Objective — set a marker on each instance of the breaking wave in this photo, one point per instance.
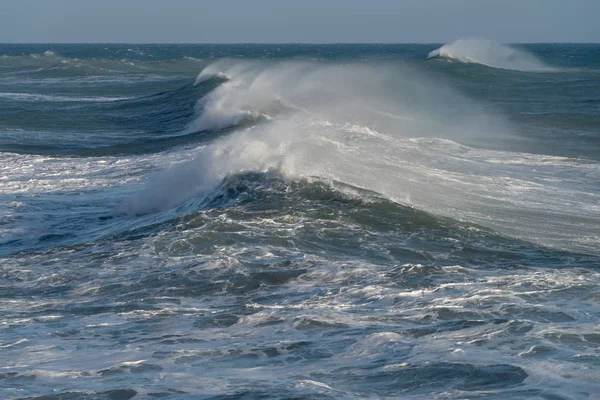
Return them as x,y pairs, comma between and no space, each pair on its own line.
390,130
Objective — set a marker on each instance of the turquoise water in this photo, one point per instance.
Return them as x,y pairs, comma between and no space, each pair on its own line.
300,221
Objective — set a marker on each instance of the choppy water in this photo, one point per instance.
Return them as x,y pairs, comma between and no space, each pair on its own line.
300,221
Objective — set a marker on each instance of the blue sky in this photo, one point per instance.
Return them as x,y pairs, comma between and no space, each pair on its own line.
306,21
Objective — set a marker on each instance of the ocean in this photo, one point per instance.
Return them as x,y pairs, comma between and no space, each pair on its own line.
340,221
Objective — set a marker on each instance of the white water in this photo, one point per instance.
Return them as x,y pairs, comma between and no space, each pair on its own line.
393,131
491,54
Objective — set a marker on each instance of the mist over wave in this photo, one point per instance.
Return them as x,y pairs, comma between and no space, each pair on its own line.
491,54
392,130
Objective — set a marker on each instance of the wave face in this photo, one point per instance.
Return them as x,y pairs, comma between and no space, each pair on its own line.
491,54
297,221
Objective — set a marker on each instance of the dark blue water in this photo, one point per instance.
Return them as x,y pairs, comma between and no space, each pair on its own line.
300,221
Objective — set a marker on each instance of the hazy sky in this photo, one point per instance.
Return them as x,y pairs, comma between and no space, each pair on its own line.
307,21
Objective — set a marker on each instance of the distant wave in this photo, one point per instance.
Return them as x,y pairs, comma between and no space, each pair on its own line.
50,64
41,97
491,54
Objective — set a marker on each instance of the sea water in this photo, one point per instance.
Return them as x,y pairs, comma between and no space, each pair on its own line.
300,221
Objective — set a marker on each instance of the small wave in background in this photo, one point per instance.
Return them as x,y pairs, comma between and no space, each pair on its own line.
491,54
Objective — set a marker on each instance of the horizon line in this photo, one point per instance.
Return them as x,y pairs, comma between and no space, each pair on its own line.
269,43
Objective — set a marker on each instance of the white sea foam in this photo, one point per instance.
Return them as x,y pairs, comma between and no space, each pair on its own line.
315,303
491,54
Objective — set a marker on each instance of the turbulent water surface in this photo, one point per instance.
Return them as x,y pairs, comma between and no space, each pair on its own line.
300,221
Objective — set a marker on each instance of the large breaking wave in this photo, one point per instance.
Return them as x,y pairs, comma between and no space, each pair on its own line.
388,129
